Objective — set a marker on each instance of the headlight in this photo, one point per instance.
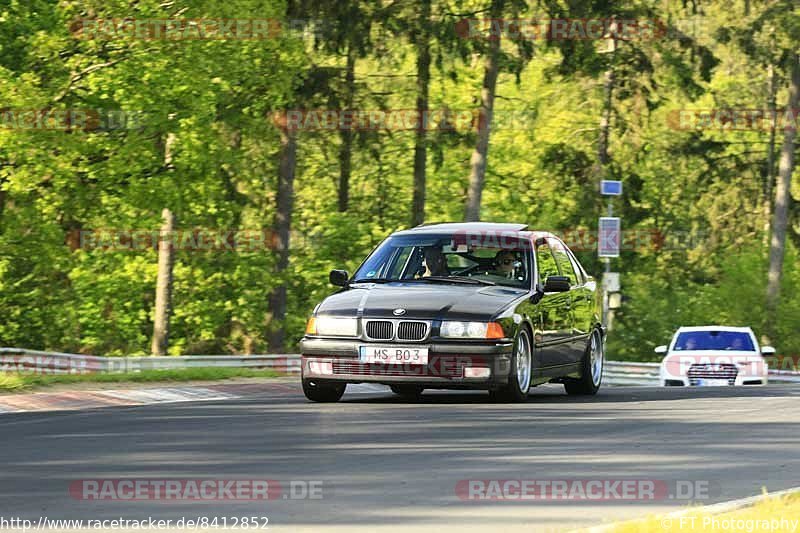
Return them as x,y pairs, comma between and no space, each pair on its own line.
333,326
471,330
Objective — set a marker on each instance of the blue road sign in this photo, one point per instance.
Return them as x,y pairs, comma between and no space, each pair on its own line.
610,187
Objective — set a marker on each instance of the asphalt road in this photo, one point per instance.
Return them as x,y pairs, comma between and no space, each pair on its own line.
386,464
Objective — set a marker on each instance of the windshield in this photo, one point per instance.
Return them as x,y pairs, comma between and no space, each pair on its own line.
714,340
448,258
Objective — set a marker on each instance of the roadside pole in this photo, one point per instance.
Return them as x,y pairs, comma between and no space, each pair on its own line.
608,245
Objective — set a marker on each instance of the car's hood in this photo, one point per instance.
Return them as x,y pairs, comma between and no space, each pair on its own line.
421,300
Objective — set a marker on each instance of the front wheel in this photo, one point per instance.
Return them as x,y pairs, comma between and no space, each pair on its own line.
519,381
323,392
591,370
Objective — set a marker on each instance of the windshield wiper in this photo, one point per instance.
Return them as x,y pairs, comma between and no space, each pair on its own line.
374,280
459,279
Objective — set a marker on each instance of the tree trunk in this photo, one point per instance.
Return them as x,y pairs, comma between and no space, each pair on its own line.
420,142
477,173
163,309
2,203
282,225
769,181
605,122
781,211
346,135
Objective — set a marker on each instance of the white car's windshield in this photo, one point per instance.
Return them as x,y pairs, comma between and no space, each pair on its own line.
448,258
714,340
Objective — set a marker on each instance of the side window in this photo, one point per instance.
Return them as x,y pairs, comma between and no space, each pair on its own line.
399,261
579,274
564,262
546,262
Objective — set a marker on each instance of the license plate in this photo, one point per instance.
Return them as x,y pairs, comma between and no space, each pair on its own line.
393,355
713,382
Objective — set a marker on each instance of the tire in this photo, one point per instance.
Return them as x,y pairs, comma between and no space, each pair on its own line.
408,392
519,380
323,392
591,368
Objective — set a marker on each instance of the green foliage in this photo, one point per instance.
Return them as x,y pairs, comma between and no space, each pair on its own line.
703,190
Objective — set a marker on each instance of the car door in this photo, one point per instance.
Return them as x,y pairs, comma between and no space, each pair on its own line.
581,307
566,269
553,311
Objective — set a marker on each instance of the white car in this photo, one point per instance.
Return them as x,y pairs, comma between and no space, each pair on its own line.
713,356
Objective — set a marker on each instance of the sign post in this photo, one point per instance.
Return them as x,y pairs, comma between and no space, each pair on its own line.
609,238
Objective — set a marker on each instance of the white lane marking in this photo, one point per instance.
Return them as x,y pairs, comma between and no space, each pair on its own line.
171,395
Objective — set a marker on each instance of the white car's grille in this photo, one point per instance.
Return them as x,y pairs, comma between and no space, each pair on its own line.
712,371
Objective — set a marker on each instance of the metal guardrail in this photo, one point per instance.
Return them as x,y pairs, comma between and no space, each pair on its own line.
21,360
630,373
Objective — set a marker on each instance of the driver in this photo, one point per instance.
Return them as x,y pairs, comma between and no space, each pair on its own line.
505,263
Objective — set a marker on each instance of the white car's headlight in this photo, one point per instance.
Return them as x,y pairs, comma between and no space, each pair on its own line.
471,330
333,326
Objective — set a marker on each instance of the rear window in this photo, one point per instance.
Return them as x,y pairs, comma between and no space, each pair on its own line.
714,340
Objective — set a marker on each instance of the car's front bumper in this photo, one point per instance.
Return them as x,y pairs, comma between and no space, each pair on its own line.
338,360
684,381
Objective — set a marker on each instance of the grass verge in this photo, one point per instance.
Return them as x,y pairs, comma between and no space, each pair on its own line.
779,514
17,382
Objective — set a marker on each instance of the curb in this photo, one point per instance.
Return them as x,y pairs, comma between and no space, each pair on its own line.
80,400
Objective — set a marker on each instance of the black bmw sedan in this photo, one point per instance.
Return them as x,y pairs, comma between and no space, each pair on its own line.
458,306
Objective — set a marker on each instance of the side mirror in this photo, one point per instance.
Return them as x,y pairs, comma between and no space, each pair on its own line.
556,284
767,350
661,349
338,277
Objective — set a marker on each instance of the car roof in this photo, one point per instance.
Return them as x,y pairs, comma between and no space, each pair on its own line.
456,227
715,328
465,226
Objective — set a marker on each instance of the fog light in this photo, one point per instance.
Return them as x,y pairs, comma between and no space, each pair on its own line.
476,372
324,368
